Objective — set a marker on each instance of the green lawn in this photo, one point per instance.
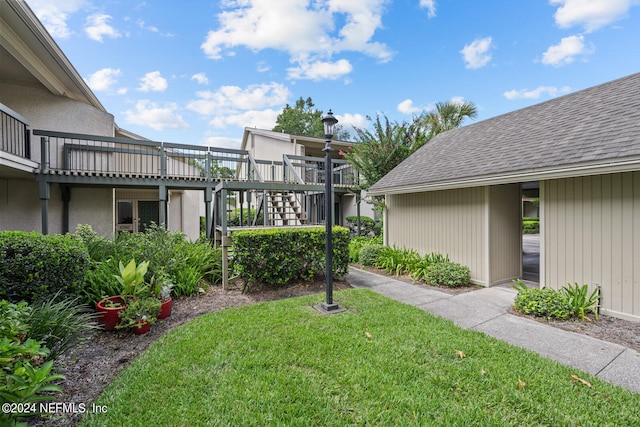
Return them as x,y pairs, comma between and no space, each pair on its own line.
380,363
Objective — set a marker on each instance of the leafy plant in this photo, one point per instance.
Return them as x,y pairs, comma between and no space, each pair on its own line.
131,279
448,274
358,242
397,261
141,309
35,267
580,300
544,302
58,322
420,269
368,255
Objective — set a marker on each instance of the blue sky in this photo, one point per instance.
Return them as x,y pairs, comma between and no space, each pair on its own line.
199,71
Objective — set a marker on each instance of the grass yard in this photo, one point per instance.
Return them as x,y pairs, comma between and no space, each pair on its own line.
380,363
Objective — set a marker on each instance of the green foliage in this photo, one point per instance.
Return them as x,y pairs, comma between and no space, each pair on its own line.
447,116
24,376
131,279
570,301
97,246
34,266
421,269
448,274
187,264
234,216
279,256
358,242
530,225
58,322
580,301
368,226
368,255
397,261
140,309
544,302
303,119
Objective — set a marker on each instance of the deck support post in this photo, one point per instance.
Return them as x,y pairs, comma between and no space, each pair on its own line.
44,188
66,198
162,190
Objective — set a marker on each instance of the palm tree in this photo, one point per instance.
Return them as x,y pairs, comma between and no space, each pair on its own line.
448,115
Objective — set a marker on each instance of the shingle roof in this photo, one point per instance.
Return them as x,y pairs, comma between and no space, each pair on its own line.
599,126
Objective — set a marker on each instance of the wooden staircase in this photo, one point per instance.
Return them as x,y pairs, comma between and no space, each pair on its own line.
285,209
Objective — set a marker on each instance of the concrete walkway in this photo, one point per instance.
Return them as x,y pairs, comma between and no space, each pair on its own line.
486,310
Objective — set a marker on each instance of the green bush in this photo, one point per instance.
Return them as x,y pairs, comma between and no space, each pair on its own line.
188,265
279,256
233,220
37,267
397,261
57,323
580,301
368,226
358,242
530,225
368,255
449,274
544,302
421,269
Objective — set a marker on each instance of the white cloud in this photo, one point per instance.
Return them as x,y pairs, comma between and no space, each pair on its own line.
103,79
233,98
430,5
97,27
262,67
348,120
320,70
551,91
147,113
565,52
591,14
54,15
476,54
261,119
201,78
153,82
407,107
305,29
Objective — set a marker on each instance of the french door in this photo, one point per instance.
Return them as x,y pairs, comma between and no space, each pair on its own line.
136,215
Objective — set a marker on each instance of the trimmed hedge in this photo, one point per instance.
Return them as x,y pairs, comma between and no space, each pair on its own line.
36,267
368,226
278,256
449,274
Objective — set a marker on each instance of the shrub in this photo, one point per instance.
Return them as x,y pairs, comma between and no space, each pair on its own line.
448,274
397,261
423,266
34,266
57,323
368,255
234,216
544,302
358,242
98,247
580,301
279,256
368,226
530,225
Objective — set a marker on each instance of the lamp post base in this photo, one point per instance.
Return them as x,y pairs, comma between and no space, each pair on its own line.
325,308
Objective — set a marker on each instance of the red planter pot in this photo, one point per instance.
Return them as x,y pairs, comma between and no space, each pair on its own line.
109,315
165,309
141,327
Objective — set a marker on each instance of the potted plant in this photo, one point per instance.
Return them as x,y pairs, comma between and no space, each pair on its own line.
162,287
140,314
109,307
131,279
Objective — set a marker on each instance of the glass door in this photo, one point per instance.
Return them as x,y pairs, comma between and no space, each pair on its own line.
148,212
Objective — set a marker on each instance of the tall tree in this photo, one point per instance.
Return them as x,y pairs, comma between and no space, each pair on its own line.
377,152
303,119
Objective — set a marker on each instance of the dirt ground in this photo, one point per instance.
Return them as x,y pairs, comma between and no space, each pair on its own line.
100,356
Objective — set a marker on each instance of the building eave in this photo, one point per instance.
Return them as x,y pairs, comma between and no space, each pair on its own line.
571,171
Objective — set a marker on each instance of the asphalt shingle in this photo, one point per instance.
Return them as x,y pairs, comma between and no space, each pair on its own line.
599,124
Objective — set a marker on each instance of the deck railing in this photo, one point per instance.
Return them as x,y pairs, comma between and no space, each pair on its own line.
14,133
66,153
311,170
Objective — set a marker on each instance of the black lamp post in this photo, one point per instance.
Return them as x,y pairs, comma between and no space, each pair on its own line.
329,122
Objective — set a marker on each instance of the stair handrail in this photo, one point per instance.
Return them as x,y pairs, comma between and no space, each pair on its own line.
254,165
289,166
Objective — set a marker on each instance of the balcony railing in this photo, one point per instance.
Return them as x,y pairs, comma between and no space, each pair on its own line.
311,170
14,133
66,153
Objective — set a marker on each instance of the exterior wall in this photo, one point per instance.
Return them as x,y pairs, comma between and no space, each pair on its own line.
93,206
451,222
20,206
505,235
591,234
183,212
47,111
478,227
